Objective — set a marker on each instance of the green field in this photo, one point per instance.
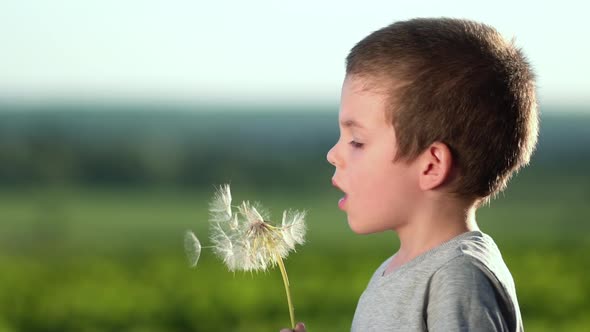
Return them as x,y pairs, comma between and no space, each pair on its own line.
112,260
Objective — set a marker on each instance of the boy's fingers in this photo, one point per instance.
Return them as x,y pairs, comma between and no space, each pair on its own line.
300,327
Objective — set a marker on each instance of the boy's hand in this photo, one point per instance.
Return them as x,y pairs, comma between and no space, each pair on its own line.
300,327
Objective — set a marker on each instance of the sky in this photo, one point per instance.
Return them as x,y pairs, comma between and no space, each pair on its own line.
252,51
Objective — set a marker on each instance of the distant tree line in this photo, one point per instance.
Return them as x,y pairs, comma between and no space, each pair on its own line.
174,148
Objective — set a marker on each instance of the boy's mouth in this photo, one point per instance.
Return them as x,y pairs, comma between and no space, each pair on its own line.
342,201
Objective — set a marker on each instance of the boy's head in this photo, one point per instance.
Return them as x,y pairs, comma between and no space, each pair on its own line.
454,98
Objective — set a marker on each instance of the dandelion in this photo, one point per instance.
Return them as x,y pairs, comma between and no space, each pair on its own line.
246,240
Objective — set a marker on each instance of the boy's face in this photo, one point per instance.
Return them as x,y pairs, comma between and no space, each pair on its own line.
379,194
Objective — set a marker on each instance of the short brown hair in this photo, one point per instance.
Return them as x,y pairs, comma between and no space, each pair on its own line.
457,82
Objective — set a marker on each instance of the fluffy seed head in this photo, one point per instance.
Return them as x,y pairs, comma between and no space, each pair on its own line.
247,240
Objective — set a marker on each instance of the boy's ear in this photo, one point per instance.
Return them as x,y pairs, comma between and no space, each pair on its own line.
435,166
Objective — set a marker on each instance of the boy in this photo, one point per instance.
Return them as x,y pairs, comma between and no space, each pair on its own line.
435,117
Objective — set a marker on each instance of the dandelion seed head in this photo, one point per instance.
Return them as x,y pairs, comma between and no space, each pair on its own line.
246,240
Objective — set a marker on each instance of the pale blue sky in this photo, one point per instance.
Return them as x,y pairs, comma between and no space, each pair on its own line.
251,51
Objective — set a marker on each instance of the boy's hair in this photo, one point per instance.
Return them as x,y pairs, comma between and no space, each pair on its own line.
457,82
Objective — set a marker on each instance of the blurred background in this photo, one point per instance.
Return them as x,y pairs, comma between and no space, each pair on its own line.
118,118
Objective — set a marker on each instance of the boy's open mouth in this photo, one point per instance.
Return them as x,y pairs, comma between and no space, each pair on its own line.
342,201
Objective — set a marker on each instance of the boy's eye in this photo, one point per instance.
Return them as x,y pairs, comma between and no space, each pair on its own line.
356,145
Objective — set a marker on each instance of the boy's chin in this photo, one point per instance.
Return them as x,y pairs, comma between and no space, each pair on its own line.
360,227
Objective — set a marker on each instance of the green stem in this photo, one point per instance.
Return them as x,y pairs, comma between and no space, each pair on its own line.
287,289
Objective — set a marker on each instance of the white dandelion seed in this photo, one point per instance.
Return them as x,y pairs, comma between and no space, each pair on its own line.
293,228
220,206
192,248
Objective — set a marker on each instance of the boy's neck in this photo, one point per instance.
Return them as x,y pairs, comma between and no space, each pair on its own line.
432,226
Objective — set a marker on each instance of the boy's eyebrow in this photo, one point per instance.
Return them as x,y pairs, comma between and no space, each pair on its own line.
351,124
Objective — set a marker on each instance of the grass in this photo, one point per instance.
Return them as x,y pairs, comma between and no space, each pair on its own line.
75,259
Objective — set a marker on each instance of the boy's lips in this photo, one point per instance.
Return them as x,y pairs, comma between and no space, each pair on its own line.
342,201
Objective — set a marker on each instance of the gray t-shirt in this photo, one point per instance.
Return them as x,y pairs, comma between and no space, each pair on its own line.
461,285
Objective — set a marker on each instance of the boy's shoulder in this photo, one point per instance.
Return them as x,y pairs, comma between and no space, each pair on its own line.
470,263
470,258
471,249
464,277
476,277
462,282
463,293
469,254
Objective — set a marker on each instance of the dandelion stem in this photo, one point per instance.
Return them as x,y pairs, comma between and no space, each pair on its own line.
287,289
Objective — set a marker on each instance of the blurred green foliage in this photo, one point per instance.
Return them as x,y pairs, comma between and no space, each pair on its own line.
101,249
116,261
177,146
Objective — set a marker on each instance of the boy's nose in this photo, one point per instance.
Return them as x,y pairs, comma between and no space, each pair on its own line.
330,156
